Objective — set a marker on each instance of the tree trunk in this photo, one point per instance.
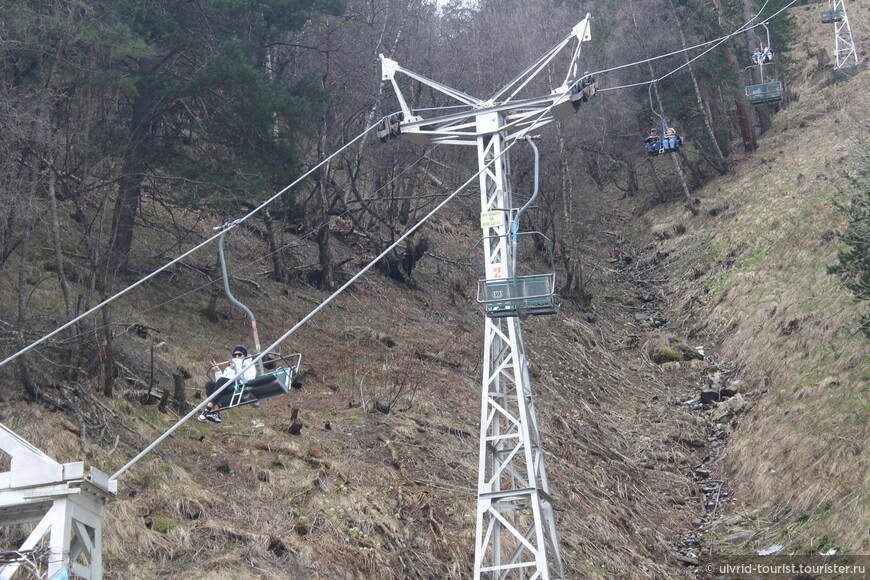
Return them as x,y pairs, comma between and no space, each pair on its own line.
700,102
324,255
631,186
8,242
132,175
21,322
574,285
749,143
656,181
279,273
108,354
723,138
692,168
126,209
211,310
70,354
179,401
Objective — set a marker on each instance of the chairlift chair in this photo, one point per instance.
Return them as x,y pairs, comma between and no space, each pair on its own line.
764,93
277,382
521,295
658,145
831,16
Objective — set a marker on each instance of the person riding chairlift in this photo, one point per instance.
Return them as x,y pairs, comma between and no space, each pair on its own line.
222,377
762,56
653,142
672,141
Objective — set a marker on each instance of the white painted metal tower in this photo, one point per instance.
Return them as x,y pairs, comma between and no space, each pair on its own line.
844,44
65,503
515,527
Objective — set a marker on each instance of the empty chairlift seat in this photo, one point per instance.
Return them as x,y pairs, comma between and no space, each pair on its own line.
389,127
831,16
764,93
277,382
520,296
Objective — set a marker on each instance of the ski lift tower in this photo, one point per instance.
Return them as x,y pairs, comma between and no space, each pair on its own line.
515,528
844,45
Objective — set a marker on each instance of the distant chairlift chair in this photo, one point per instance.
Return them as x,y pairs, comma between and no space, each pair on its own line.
831,16
764,93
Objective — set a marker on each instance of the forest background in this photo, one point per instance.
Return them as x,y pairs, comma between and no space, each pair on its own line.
131,129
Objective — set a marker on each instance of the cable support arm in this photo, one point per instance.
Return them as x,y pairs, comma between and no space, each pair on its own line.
389,68
580,31
461,128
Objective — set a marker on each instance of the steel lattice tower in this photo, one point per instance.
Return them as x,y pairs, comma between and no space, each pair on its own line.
515,526
844,44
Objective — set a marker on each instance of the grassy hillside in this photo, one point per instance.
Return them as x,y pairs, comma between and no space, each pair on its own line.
748,278
368,494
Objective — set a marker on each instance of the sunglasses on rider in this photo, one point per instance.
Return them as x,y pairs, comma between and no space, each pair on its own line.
237,354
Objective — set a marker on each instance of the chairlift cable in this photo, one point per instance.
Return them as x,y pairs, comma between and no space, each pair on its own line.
715,44
185,254
330,298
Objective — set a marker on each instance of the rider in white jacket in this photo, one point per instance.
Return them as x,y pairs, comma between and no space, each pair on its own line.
222,377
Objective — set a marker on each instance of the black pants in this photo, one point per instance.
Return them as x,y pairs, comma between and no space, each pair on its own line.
218,385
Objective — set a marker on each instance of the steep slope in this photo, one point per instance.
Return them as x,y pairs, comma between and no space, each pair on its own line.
381,480
748,279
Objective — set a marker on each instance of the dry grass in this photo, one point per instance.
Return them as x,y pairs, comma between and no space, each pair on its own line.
768,307
365,495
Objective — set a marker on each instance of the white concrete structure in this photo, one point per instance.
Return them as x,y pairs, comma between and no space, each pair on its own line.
64,501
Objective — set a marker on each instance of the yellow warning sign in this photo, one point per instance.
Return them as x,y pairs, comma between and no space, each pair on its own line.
491,219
